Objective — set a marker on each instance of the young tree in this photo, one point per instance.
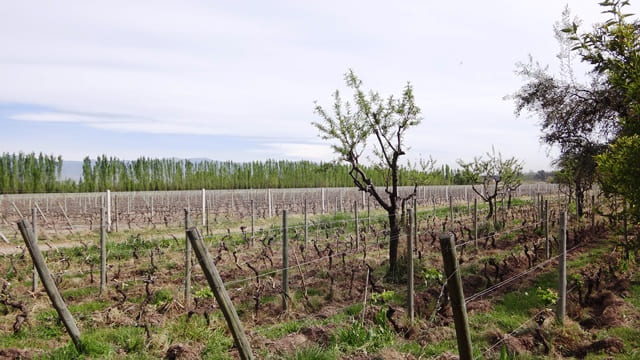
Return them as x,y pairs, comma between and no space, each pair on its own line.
494,177
372,123
591,122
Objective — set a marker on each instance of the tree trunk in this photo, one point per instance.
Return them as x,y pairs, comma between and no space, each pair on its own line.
579,200
394,239
491,199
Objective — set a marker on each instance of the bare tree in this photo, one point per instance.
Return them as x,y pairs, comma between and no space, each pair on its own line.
377,126
492,177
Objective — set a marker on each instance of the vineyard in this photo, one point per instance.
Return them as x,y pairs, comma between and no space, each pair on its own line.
307,273
76,212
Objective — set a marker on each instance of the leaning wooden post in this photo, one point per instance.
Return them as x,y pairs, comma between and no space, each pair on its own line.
103,251
34,229
306,223
355,211
49,285
220,293
562,269
475,222
410,240
454,284
285,261
4,238
187,261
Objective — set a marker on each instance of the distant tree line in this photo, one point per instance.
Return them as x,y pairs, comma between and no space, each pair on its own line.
31,173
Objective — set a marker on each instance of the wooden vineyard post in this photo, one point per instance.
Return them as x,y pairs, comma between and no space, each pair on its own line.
187,261
415,221
355,211
368,211
410,240
475,222
204,207
562,269
4,238
322,191
103,251
17,210
34,230
108,210
306,223
547,243
625,230
41,214
49,285
64,213
533,202
541,208
593,211
220,293
207,222
285,261
115,206
451,211
454,284
253,219
269,200
433,201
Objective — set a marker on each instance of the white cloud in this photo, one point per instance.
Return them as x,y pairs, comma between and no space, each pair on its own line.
313,152
254,69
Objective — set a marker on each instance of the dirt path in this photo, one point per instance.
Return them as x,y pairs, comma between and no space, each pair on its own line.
15,248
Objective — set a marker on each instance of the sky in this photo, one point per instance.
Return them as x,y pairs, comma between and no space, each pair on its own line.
237,80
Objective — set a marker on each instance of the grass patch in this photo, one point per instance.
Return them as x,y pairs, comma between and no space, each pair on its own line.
354,309
87,308
313,353
282,329
196,330
634,294
161,296
511,311
372,338
79,293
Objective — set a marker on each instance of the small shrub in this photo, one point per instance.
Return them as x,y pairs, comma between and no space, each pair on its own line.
548,296
205,292
383,297
431,275
161,296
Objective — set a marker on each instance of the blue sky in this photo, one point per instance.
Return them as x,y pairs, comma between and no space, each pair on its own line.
237,80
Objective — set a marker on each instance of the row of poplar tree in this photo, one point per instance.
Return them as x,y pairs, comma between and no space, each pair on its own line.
37,173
